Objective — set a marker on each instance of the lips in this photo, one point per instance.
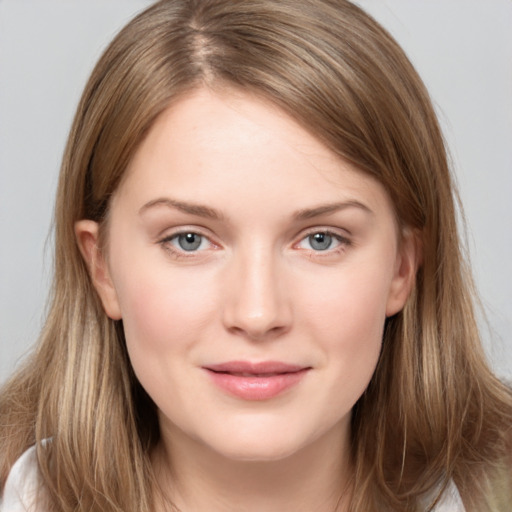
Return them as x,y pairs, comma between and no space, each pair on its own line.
255,381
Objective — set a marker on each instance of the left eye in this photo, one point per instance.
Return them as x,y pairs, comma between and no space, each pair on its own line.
320,241
189,242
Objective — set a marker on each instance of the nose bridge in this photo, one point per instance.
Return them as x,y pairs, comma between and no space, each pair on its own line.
257,305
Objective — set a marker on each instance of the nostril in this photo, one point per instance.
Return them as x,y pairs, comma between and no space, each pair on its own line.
258,334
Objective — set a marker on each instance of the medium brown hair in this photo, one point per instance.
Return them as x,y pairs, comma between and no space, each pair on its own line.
433,411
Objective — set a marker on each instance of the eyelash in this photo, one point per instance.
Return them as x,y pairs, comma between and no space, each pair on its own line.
167,243
343,243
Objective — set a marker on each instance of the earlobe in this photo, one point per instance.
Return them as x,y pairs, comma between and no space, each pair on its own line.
87,236
407,263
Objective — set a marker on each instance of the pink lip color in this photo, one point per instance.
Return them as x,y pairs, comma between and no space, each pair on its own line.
255,381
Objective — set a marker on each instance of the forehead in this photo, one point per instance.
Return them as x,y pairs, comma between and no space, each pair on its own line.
211,145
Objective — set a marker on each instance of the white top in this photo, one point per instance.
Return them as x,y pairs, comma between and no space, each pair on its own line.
21,486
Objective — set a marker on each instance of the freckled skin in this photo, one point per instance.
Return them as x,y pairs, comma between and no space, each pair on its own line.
256,289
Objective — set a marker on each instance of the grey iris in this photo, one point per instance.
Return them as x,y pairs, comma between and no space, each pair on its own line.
189,241
320,241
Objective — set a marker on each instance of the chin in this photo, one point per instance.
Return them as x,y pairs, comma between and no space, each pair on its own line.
259,445
258,452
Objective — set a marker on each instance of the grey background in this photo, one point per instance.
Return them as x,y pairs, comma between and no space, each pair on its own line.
462,49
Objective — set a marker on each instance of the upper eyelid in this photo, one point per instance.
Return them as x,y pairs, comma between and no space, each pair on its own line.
169,233
336,232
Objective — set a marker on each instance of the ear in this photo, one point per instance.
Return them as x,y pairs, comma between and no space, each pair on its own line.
87,236
407,262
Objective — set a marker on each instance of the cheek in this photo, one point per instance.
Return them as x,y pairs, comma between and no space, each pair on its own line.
347,316
163,312
350,304
164,319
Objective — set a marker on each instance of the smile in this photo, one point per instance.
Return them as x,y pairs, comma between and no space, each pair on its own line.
255,381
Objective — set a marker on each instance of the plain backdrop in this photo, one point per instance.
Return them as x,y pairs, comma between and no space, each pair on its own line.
462,49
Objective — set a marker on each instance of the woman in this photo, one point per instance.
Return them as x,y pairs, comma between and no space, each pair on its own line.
259,298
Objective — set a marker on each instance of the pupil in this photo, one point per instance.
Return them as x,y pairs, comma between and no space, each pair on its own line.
189,241
320,241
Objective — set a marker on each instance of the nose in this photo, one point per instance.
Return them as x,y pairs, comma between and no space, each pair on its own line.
256,304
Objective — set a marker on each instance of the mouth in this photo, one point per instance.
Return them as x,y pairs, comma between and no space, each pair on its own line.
255,381
245,374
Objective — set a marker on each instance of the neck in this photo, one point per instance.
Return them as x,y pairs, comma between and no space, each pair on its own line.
198,479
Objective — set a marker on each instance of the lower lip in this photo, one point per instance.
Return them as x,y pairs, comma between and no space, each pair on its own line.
256,388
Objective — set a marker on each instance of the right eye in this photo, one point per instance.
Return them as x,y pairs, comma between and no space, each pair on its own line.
188,242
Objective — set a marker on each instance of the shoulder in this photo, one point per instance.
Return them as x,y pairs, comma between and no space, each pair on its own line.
22,484
450,500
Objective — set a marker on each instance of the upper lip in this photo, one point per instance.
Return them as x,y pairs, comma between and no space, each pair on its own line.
259,368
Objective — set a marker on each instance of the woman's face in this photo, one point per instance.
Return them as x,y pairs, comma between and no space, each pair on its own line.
253,271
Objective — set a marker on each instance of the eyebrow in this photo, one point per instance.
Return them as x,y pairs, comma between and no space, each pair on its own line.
326,209
185,207
210,213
